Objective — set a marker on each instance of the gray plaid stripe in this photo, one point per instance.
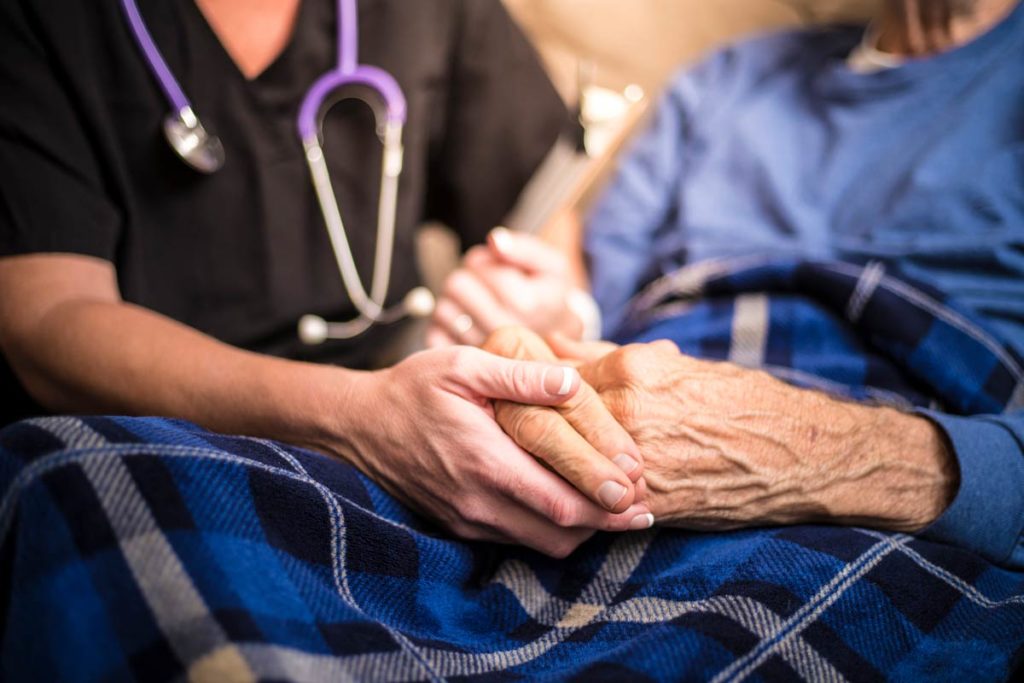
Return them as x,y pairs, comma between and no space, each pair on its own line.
177,607
955,582
1017,400
179,610
783,635
750,325
71,431
867,284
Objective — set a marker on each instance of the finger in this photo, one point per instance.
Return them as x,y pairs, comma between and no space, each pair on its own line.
506,520
505,283
458,324
490,376
546,435
588,415
519,343
586,352
557,501
584,413
526,252
476,299
437,338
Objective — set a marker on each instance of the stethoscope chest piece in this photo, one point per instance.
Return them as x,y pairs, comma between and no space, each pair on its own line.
191,142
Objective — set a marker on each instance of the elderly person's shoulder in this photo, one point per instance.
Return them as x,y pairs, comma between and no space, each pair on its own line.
758,60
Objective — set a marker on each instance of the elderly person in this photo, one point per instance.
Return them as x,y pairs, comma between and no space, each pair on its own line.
897,156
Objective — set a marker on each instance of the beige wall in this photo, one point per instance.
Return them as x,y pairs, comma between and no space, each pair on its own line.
643,41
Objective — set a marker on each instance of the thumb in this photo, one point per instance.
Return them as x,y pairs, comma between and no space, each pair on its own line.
525,252
519,381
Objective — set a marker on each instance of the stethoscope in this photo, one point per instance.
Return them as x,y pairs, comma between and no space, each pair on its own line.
205,153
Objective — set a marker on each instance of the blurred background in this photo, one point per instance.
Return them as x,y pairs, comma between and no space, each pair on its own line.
619,53
645,41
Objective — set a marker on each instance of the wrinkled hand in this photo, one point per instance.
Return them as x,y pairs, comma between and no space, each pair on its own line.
515,279
727,447
578,438
425,431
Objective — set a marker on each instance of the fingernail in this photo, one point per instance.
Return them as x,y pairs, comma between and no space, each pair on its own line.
642,522
610,493
501,238
625,463
559,383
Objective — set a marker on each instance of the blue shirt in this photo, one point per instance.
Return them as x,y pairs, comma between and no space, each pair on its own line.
776,147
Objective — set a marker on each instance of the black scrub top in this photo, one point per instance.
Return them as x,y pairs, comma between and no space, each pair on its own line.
242,254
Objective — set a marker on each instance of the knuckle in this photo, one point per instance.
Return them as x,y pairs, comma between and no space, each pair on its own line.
529,425
664,346
504,341
455,284
561,512
521,379
474,513
561,548
477,256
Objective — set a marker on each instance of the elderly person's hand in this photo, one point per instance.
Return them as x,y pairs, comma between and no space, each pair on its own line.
577,438
726,447
515,280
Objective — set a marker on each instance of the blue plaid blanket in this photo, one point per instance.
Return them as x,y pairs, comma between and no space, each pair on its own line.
153,550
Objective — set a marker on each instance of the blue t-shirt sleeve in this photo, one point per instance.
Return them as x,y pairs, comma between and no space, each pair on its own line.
621,229
987,515
638,204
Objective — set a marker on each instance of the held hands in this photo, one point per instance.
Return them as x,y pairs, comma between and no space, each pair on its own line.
515,280
432,442
725,447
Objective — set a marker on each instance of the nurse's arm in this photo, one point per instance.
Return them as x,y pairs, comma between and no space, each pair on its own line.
423,429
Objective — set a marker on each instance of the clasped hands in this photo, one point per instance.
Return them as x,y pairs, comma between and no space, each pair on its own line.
724,447
498,444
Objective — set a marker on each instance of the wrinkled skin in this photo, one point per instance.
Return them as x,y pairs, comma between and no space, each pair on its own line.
726,447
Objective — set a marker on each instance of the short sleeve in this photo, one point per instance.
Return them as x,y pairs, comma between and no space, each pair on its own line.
503,117
51,195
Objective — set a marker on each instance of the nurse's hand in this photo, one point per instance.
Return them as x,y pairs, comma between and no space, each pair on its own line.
425,431
515,280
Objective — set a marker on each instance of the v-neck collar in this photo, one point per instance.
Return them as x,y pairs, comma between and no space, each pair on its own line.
294,42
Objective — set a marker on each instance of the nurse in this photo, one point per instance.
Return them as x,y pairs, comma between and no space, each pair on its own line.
131,283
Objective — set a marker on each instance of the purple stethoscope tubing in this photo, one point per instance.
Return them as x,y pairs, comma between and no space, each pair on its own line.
350,72
168,83
205,153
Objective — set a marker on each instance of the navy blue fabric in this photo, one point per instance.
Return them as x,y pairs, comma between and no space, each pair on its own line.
775,147
149,549
870,334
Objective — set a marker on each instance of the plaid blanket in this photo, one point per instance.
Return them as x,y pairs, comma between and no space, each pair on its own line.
153,550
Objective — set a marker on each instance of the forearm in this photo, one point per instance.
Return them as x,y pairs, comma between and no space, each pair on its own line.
728,447
107,357
894,469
